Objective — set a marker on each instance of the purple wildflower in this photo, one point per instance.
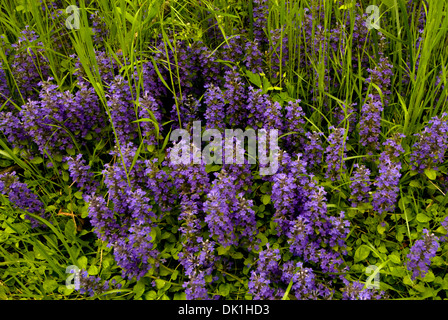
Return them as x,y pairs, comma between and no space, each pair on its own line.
421,253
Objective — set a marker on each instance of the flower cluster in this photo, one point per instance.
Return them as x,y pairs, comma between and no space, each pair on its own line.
149,110
4,90
29,65
53,120
215,113
267,271
126,226
313,150
301,215
421,253
430,148
93,286
81,175
198,261
356,291
294,124
22,198
121,106
229,215
99,28
335,152
386,194
235,96
381,76
370,123
360,185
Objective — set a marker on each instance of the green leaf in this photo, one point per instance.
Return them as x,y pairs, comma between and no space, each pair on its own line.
238,255
93,270
82,262
71,151
380,229
407,280
139,289
429,277
362,253
174,275
180,296
265,187
151,295
212,168
263,239
421,217
389,3
431,174
70,230
78,195
37,160
160,283
415,184
266,199
49,285
254,78
223,250
394,258
224,289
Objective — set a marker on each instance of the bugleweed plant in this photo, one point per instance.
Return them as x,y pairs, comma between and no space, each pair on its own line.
89,98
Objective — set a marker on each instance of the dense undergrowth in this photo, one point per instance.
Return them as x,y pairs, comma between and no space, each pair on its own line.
90,97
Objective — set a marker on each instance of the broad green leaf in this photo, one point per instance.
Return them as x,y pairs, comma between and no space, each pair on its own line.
415,184
49,285
174,275
139,289
380,229
266,199
237,255
362,253
37,160
421,217
93,270
389,3
70,230
82,262
180,296
78,195
224,289
254,78
394,258
151,295
223,250
160,283
431,174
429,277
212,168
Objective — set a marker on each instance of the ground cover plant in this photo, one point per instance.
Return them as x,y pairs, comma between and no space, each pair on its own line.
92,207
